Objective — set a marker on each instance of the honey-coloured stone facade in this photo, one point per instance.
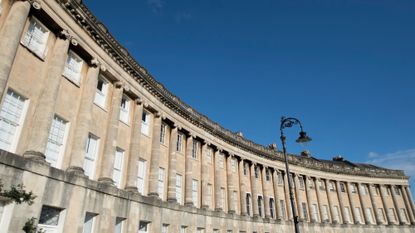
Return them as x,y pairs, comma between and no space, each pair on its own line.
106,148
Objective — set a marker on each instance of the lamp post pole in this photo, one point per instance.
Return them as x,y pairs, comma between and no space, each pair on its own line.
287,123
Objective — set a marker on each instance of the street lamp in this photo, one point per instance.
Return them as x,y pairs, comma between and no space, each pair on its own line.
303,138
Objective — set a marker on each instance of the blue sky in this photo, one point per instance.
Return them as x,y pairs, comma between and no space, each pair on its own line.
345,68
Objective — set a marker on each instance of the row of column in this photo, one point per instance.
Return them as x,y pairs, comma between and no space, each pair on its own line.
9,40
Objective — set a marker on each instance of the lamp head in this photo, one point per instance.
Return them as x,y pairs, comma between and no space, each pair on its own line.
303,138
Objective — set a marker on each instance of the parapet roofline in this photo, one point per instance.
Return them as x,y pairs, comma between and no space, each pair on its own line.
101,35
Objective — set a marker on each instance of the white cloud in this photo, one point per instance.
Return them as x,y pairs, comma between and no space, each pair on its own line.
182,16
156,5
402,160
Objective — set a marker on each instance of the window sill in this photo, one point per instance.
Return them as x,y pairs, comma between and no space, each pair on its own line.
145,135
101,107
42,58
125,123
72,81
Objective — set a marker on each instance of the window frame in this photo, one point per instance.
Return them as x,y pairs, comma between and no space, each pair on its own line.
75,80
91,174
118,151
64,138
44,50
145,123
20,121
102,93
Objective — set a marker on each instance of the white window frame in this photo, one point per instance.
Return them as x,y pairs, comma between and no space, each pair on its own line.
118,167
336,211
179,187
101,95
260,201
53,228
272,207
209,155
88,156
18,124
325,215
245,169
125,106
179,142
31,44
348,217
144,224
280,179
93,222
164,228
221,160
6,214
57,139
141,175
145,123
314,213
119,225
301,182
163,129
195,149
183,229
222,198
233,164
353,188
304,209
195,192
248,203
74,76
160,187
209,195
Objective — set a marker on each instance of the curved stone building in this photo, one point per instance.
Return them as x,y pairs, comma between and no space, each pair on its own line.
106,148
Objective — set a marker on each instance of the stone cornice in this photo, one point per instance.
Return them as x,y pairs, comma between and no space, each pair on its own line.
99,33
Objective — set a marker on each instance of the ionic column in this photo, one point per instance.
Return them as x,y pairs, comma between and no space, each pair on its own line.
395,203
362,204
298,197
342,209
171,189
382,195
408,205
287,196
352,206
329,200
278,213
45,108
205,175
112,133
10,38
132,172
374,205
243,187
155,156
317,189
307,193
217,179
84,119
254,188
230,184
265,192
411,200
188,167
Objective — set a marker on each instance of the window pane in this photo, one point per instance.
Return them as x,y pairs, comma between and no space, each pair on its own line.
49,216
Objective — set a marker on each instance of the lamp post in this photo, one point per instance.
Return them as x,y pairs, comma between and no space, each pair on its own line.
303,138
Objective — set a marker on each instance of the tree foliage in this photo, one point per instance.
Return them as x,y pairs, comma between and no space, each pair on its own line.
19,195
